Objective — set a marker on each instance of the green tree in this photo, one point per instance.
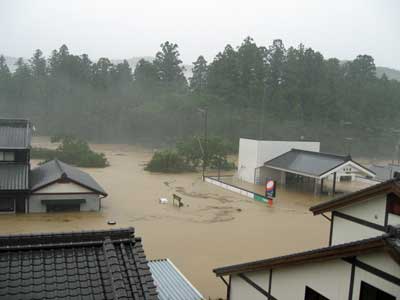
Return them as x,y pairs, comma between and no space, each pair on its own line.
168,64
198,81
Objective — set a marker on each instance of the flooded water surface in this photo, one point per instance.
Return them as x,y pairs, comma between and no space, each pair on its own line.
215,227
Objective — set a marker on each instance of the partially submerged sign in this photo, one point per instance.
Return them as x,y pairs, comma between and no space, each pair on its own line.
270,189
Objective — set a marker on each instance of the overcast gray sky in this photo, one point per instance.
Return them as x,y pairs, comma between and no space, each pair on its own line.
126,28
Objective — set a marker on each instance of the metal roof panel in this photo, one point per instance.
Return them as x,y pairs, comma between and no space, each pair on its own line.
171,283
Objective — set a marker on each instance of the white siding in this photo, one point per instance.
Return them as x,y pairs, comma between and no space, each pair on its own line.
345,231
240,289
393,219
247,163
68,187
91,204
372,210
381,261
253,154
331,279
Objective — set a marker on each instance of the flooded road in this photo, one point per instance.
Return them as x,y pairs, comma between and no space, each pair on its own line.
214,228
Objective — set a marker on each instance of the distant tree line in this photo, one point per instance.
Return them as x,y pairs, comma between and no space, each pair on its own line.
250,91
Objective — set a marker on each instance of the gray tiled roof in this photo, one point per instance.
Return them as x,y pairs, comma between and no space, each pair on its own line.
15,134
307,162
55,170
14,177
171,283
107,264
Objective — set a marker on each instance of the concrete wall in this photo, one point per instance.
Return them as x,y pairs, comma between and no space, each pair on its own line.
254,153
91,204
330,278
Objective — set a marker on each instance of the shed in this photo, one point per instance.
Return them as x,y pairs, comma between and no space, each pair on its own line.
56,186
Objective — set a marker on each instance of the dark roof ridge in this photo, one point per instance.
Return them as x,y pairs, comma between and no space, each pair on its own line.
319,254
344,157
67,237
111,259
359,195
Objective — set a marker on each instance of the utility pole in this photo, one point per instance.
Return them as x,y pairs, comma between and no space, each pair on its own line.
204,111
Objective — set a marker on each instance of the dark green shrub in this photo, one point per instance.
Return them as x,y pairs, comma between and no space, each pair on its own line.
72,151
167,161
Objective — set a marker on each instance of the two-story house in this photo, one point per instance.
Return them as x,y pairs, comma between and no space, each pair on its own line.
15,141
52,186
361,262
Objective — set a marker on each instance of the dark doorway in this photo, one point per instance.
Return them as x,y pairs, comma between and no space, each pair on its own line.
7,205
369,292
20,204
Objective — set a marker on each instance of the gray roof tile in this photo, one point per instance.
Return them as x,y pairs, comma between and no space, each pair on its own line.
307,162
55,170
87,265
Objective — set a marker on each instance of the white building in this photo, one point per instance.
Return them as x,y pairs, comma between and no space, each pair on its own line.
295,162
254,153
362,260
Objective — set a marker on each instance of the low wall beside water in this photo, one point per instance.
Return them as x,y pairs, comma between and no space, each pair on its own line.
235,189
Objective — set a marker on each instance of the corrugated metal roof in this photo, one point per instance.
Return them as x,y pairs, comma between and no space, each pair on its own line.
15,134
54,170
307,162
384,172
14,177
171,283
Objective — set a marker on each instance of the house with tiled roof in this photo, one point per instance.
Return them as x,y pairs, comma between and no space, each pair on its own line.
105,264
53,186
361,261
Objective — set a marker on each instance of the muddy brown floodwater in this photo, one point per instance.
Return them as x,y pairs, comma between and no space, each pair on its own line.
214,228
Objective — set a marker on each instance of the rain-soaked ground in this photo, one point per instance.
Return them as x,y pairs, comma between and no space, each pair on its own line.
214,228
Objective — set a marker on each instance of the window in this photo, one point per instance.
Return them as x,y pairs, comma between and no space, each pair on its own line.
368,292
7,156
393,204
313,295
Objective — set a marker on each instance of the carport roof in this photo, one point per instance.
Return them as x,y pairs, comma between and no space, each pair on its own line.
56,170
312,164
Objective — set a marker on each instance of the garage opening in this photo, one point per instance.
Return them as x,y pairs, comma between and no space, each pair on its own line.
69,205
7,205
